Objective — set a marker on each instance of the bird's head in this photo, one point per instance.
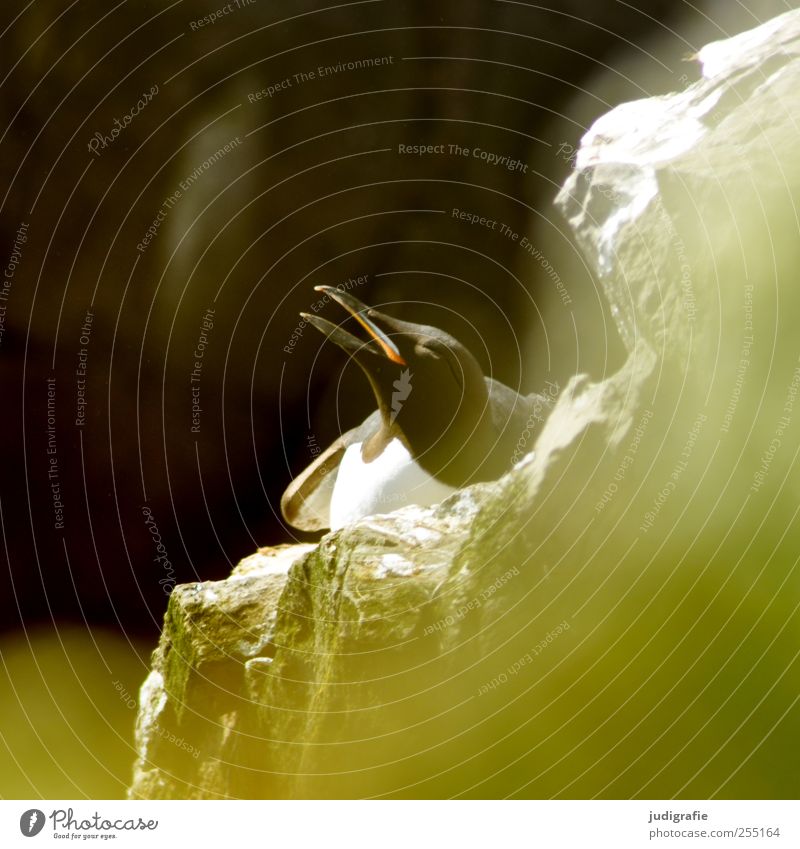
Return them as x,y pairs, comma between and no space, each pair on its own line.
414,369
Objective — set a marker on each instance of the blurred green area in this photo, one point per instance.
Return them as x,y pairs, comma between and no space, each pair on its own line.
68,701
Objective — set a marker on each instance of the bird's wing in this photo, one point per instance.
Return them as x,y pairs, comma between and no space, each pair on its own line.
306,503
517,420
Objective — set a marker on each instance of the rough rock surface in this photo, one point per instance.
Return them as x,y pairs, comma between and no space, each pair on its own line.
615,617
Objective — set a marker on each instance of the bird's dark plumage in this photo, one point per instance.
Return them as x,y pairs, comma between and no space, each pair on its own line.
435,408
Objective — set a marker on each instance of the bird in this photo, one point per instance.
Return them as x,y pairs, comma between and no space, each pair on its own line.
440,424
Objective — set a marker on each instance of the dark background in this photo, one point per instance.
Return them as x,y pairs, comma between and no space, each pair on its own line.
315,193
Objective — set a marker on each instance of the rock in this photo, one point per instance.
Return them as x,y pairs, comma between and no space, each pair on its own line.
617,615
215,635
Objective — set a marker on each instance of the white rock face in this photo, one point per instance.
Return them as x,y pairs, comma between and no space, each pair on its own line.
777,39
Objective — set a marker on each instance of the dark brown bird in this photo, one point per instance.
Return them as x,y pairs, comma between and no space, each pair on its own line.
440,424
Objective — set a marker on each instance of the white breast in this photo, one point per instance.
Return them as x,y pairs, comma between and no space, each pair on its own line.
392,480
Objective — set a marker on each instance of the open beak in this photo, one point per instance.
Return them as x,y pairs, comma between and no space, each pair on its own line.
338,336
359,312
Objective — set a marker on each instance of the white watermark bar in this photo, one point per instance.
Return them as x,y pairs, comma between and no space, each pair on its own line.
353,824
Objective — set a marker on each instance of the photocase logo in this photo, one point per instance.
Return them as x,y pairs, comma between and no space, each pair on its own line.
402,390
31,822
